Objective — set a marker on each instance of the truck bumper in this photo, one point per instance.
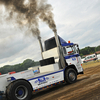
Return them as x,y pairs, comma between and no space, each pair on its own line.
81,72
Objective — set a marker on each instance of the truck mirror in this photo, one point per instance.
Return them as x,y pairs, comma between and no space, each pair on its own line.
78,49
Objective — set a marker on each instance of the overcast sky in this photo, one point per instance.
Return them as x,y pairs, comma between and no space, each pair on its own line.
76,20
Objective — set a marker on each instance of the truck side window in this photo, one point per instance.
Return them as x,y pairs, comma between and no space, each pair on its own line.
88,57
94,56
91,57
71,50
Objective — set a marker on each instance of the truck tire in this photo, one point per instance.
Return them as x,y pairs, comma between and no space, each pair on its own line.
19,90
70,76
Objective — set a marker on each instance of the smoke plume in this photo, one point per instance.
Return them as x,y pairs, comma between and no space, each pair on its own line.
30,13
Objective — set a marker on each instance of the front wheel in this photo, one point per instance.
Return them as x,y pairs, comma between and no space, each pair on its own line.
70,76
19,90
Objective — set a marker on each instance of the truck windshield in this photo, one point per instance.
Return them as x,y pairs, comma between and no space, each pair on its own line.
70,50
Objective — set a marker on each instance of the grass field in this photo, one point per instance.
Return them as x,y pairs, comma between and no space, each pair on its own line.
91,64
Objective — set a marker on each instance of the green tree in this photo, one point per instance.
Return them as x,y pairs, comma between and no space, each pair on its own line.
19,67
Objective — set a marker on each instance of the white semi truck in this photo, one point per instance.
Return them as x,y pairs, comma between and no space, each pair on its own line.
59,64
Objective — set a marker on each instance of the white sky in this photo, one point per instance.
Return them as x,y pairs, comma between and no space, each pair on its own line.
76,20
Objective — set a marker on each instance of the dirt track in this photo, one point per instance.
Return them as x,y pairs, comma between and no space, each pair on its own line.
87,87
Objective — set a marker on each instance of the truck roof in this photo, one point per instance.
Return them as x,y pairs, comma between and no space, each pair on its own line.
67,44
63,42
51,43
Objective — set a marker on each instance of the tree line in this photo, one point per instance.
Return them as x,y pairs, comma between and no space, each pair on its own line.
19,67
89,50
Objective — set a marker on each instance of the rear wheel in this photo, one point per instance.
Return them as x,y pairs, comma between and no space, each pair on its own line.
70,75
19,90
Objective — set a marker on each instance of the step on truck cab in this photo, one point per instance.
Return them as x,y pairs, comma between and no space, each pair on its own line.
19,86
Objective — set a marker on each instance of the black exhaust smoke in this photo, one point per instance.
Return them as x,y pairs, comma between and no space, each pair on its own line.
30,12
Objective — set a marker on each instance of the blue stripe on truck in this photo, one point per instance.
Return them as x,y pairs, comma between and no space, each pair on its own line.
45,75
71,56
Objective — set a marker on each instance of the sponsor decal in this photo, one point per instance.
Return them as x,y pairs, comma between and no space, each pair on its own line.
73,59
33,88
77,60
41,80
57,81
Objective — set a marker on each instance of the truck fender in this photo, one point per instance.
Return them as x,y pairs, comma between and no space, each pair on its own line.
21,88
70,66
23,80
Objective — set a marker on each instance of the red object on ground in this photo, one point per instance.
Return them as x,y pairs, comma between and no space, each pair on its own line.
12,72
0,73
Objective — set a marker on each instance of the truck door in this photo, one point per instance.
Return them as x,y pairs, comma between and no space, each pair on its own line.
71,55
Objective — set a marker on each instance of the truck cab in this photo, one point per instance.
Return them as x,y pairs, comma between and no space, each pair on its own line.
70,53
